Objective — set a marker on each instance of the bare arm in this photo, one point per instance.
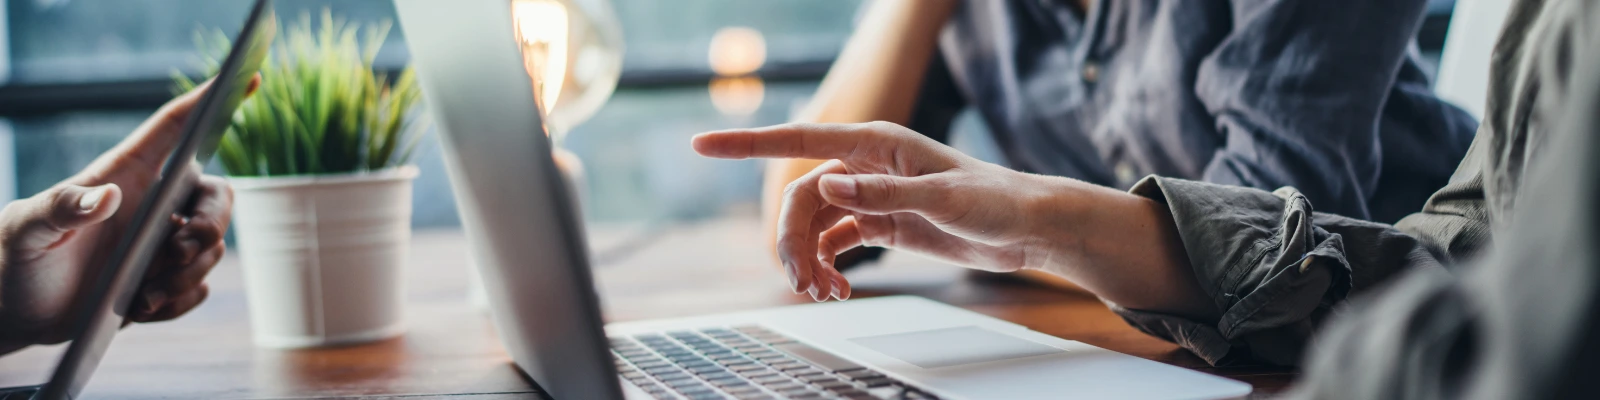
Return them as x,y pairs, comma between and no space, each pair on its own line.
896,188
876,78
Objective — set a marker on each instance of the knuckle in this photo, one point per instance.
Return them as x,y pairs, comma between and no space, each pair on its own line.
829,242
792,189
206,227
12,209
786,247
49,205
886,189
882,127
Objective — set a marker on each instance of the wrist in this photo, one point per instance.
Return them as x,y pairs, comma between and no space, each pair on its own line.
1055,222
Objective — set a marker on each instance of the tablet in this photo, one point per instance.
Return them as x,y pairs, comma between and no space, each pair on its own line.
107,300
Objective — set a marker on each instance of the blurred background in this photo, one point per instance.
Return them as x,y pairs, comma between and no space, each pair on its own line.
77,75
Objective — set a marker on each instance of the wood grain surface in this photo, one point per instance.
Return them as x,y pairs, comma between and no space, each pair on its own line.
451,350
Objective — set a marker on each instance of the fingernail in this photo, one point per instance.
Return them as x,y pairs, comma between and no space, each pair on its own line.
153,300
794,280
839,186
91,200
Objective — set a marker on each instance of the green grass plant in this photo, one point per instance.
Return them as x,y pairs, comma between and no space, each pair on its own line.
321,107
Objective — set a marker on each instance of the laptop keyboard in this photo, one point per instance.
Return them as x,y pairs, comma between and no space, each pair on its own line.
746,363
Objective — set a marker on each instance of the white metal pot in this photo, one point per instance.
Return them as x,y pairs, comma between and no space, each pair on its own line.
324,256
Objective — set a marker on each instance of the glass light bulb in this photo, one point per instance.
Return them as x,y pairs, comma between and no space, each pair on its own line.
573,52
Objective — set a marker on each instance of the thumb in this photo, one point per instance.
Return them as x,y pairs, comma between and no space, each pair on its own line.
65,208
887,194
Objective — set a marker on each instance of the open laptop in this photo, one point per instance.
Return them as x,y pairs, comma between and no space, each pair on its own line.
107,301
529,245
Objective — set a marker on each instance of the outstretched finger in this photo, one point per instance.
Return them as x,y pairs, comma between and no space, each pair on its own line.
807,140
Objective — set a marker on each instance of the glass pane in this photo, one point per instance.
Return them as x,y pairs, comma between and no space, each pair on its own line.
59,41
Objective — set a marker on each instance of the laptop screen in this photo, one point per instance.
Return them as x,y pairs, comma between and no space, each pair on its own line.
107,301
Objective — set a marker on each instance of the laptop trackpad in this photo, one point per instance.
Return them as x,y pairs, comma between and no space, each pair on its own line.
953,346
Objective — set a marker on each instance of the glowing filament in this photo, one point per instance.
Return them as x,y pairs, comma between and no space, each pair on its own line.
542,32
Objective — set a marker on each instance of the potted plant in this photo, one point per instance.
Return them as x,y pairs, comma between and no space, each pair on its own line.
319,162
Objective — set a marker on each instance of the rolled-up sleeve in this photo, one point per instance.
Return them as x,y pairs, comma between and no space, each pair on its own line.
1273,266
1297,89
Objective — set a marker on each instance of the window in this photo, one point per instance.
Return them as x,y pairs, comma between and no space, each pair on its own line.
83,73
106,65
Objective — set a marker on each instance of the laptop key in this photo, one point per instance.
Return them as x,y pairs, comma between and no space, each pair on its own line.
818,379
786,386
772,380
801,395
681,383
876,382
660,370
834,385
846,391
758,373
725,381
695,388
718,375
860,373
793,368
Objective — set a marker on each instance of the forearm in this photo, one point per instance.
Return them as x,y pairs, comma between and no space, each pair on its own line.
1121,247
880,70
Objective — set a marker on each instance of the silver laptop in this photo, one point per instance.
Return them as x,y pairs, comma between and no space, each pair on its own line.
529,244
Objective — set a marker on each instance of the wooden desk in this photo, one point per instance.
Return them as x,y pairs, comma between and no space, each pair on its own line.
452,351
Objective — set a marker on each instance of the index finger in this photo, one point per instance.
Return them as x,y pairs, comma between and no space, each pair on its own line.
794,140
153,140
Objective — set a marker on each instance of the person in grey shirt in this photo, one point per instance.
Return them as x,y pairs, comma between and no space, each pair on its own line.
1519,321
1325,96
1238,274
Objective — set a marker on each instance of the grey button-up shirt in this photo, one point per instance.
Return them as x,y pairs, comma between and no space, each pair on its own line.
1323,95
1432,323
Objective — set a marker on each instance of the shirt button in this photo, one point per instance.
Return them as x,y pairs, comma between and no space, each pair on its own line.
1125,173
1091,71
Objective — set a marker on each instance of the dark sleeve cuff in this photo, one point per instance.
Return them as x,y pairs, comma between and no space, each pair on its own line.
1261,260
